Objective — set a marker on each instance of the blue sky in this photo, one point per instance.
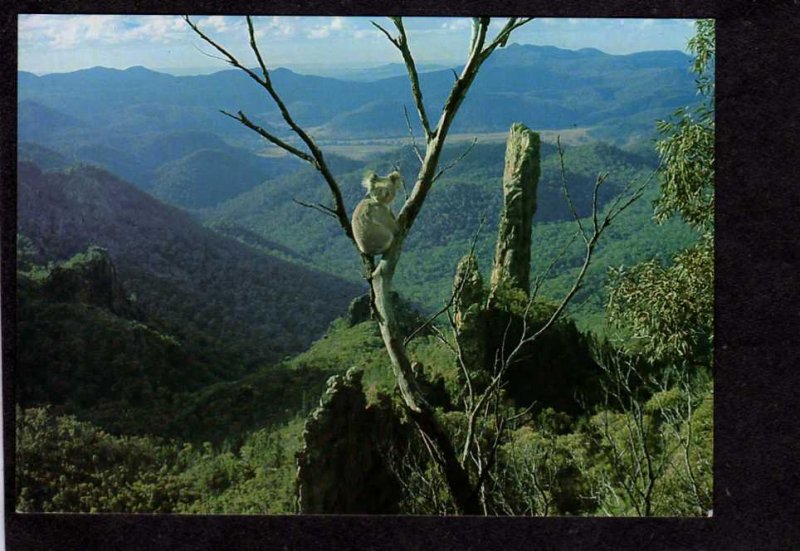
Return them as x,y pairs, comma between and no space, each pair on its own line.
62,43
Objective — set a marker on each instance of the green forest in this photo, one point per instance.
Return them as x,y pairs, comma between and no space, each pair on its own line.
188,347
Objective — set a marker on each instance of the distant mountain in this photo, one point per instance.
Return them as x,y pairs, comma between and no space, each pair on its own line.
207,177
45,157
541,86
211,291
192,169
370,74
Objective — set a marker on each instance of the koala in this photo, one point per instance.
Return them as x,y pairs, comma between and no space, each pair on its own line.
374,224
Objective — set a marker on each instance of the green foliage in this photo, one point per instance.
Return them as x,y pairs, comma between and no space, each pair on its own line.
686,145
258,479
541,469
67,465
653,458
687,153
669,310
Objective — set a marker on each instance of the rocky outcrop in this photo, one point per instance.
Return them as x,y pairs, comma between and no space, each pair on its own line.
344,464
89,278
470,318
520,180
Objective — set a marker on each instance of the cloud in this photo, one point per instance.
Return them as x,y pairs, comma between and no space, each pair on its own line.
334,25
217,23
276,26
68,31
457,24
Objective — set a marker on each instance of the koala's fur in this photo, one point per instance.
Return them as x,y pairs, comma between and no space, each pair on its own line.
374,224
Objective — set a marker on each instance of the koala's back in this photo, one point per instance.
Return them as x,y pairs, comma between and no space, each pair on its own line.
373,226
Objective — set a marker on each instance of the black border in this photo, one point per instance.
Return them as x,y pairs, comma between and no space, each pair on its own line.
757,312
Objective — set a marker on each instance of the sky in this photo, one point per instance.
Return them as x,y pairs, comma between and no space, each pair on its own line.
63,43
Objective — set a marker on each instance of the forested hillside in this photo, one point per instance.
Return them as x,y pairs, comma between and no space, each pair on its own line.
215,291
193,338
452,215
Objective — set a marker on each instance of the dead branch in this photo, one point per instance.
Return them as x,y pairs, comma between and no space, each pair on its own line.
401,43
454,162
413,140
318,207
316,158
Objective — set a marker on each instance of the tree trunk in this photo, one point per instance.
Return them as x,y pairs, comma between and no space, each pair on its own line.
436,438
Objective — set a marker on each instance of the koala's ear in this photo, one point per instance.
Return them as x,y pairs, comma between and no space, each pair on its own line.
369,179
396,179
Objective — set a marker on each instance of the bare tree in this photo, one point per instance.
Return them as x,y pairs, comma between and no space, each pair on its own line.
381,274
482,408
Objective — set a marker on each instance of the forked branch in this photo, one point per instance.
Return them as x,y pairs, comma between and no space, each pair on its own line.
314,155
401,43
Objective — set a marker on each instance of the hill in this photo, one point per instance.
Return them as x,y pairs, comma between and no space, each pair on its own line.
210,290
207,177
86,349
452,214
543,87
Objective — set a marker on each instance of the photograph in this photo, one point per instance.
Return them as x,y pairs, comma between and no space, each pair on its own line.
346,265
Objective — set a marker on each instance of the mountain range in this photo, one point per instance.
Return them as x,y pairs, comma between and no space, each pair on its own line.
542,86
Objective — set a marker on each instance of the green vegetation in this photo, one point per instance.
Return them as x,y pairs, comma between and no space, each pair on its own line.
452,215
179,368
68,465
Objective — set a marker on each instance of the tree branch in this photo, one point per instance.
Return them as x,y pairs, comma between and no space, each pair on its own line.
401,43
502,37
413,141
457,160
318,207
316,159
242,118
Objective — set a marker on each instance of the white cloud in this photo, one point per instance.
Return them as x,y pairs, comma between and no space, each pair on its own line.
319,32
457,24
275,26
336,24
217,23
68,31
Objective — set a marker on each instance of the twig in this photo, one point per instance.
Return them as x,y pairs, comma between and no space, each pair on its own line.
318,207
456,292
413,139
456,161
564,187
401,42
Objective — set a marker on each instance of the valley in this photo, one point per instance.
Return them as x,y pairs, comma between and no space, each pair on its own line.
191,328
